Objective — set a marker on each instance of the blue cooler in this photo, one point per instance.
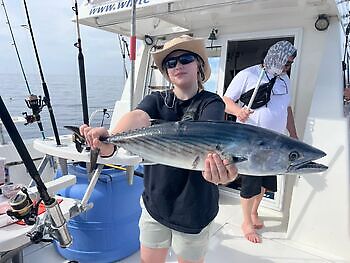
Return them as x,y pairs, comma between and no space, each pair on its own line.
109,231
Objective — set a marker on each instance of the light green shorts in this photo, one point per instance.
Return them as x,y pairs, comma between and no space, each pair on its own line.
192,247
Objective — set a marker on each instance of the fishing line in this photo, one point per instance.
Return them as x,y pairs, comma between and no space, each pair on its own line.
46,99
35,103
15,45
81,68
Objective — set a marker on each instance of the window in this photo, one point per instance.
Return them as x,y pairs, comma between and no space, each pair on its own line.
214,62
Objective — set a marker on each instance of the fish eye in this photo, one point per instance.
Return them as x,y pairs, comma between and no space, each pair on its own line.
293,156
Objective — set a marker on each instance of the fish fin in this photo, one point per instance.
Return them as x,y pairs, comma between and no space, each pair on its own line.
157,121
75,131
78,139
195,162
72,128
237,159
147,162
94,153
130,173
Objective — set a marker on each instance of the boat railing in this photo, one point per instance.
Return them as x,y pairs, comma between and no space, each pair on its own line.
106,114
16,119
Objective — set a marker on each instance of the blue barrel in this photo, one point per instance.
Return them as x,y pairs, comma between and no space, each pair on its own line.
109,231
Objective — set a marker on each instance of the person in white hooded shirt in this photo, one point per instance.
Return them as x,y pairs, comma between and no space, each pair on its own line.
275,115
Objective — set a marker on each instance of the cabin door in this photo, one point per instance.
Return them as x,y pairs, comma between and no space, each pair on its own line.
240,55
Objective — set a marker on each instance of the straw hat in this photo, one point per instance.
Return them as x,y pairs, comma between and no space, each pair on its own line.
187,43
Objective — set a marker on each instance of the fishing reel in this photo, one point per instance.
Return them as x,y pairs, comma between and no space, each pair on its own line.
54,225
22,207
36,104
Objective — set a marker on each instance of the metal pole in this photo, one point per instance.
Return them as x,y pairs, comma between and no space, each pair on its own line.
132,73
91,186
132,53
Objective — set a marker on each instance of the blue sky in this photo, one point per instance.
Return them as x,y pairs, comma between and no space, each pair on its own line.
55,35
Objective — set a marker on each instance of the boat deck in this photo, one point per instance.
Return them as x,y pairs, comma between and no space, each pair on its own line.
227,243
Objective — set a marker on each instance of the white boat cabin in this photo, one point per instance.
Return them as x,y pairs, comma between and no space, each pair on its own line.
314,210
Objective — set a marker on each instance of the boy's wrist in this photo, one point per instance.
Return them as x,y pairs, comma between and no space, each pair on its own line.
111,154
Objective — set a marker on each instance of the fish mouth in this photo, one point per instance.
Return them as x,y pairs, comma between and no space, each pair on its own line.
307,167
307,164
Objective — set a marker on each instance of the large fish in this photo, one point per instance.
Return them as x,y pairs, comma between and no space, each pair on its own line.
254,150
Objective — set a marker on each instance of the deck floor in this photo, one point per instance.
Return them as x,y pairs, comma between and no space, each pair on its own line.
227,243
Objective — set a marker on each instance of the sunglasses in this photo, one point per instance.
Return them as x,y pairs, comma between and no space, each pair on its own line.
281,91
184,59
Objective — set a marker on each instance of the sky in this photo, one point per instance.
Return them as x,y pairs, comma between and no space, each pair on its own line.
55,35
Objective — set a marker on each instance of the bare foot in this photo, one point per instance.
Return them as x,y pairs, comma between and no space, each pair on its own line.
250,234
257,224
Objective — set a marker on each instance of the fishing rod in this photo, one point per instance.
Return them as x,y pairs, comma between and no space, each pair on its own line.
81,68
123,49
93,152
35,103
21,204
46,98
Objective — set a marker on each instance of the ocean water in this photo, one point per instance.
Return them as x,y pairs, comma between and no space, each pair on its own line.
103,91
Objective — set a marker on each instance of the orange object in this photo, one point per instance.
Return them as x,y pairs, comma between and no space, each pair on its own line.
41,210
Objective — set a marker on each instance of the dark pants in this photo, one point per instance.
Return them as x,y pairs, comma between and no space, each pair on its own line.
251,185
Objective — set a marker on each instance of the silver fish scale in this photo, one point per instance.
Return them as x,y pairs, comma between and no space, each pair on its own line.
183,144
186,144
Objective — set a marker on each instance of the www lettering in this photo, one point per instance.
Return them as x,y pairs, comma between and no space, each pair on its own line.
112,7
102,9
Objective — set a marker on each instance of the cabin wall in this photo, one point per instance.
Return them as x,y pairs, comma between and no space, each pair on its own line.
320,207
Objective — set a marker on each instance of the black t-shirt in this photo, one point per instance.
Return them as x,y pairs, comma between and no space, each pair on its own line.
177,198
